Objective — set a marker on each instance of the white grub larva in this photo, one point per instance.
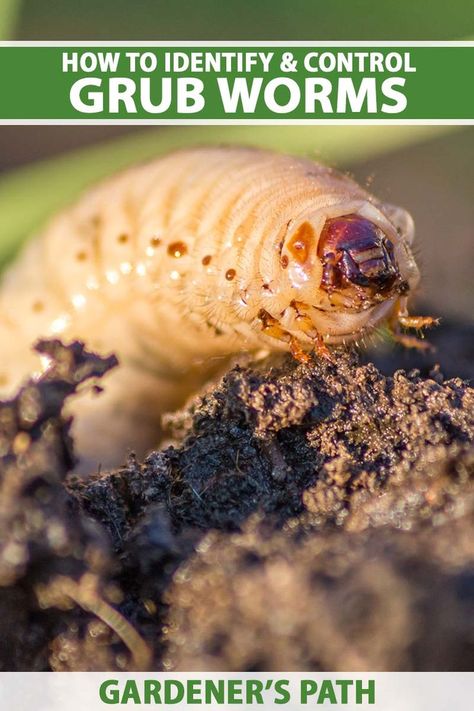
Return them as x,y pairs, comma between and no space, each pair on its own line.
201,254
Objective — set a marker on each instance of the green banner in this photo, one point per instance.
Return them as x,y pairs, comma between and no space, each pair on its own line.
231,82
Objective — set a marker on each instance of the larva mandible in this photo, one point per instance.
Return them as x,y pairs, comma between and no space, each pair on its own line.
201,254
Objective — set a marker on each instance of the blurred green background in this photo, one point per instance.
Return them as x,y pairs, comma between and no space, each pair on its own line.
244,19
429,170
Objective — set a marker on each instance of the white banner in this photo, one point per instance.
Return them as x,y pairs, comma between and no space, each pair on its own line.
388,691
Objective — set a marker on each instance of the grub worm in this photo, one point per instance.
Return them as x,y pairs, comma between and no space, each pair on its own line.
201,254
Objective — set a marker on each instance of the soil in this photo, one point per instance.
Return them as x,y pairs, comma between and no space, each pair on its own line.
305,517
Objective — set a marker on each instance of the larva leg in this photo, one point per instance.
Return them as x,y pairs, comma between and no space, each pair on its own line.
322,350
412,342
307,326
297,351
271,327
400,317
417,321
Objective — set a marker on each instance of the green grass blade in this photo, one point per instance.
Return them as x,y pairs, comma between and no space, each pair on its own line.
9,11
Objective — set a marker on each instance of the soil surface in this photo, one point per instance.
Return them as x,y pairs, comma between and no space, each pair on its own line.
305,517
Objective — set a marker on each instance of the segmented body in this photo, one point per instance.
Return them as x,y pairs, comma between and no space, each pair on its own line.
176,263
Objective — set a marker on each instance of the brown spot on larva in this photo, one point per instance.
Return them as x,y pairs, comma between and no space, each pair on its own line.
206,260
230,274
301,242
123,238
3,379
81,256
177,249
284,261
155,241
37,306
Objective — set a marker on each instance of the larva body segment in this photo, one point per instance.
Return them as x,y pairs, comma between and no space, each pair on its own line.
199,255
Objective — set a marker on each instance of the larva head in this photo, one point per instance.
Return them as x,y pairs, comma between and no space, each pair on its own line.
350,266
356,254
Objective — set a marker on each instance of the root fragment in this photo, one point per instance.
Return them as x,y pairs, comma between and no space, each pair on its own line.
85,594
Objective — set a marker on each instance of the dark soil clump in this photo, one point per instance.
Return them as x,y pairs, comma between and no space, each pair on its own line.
306,517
